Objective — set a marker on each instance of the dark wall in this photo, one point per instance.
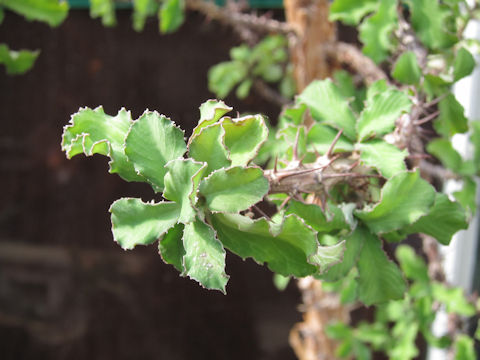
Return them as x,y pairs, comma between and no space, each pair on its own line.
66,289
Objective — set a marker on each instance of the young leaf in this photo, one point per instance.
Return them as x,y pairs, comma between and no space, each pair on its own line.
451,119
412,265
285,248
386,158
223,77
171,247
93,132
406,69
382,110
443,150
463,65
207,146
320,138
323,222
379,278
142,9
210,112
171,15
53,12
464,348
328,106
137,223
454,299
243,138
204,259
17,62
376,30
405,198
353,247
467,195
234,189
328,256
154,140
104,9
181,184
351,11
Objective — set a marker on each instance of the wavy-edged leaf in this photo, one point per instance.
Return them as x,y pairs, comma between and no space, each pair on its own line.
328,256
443,150
93,132
351,11
171,15
181,184
52,12
429,20
320,137
154,140
328,106
467,195
379,279
463,65
332,219
208,146
243,138
234,189
104,9
452,118
404,199
204,259
406,69
443,220
142,9
137,223
382,110
210,112
171,247
353,247
285,248
386,158
17,62
375,31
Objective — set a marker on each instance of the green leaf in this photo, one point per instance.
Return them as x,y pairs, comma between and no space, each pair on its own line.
171,15
104,9
294,114
154,140
475,140
181,184
328,106
285,248
464,348
142,9
377,87
280,282
386,158
443,150
223,77
244,137
376,30
137,223
412,265
204,259
53,12
207,146
93,132
351,11
404,347
17,62
379,280
429,20
210,112
244,88
451,119
2,15
406,69
171,247
405,198
234,189
435,85
328,256
381,112
323,222
463,65
353,247
454,299
467,195
320,137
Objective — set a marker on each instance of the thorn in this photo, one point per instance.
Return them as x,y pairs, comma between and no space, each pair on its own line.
435,101
284,202
317,154
427,118
295,145
357,175
275,168
354,165
334,142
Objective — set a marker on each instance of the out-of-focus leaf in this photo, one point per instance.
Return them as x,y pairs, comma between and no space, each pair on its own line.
351,11
463,65
171,15
406,69
17,62
53,12
104,9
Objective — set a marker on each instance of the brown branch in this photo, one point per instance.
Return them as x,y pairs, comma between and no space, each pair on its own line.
270,94
437,171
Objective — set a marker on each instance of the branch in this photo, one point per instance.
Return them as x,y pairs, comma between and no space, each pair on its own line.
270,94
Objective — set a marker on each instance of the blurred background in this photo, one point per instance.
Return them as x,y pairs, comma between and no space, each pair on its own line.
67,291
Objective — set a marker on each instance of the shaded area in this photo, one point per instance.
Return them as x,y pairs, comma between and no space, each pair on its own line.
67,291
